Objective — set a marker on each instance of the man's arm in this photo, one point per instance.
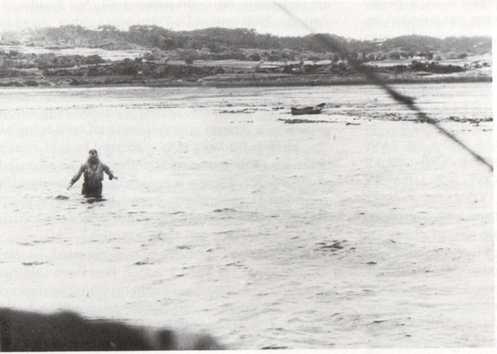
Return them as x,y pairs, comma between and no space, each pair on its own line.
76,176
109,172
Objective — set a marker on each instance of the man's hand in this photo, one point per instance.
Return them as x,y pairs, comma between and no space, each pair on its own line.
113,177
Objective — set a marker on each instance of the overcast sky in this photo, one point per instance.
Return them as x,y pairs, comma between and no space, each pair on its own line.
359,19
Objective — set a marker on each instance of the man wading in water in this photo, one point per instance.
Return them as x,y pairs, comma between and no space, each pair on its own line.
93,171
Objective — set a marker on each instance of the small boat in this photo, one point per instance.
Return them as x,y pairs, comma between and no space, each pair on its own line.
307,110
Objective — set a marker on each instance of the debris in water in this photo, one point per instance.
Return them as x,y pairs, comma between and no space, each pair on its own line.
224,210
61,197
303,121
242,110
177,212
35,263
146,262
334,246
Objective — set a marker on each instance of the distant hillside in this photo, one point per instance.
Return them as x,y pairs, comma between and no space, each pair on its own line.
415,43
76,56
218,40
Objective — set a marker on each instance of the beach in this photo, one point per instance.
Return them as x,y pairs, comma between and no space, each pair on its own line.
368,230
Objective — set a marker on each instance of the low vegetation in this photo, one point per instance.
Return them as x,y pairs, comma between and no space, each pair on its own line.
185,57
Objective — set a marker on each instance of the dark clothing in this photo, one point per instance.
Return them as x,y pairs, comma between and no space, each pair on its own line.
93,176
92,190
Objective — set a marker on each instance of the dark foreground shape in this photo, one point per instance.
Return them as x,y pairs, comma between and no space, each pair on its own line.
68,331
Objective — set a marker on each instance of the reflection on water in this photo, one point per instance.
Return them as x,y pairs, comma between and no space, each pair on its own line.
265,234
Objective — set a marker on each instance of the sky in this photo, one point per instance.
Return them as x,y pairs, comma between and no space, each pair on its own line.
360,19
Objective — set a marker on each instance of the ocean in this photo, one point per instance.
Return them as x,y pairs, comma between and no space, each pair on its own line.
366,230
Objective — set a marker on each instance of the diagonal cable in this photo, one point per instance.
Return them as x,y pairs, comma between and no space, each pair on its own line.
371,76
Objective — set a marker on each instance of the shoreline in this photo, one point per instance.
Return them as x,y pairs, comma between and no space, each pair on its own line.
220,83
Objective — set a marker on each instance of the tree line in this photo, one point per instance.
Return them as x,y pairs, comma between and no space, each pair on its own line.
219,40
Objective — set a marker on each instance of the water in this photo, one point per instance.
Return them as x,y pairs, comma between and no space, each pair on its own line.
260,232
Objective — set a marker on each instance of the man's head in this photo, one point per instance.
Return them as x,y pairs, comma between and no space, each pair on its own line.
93,155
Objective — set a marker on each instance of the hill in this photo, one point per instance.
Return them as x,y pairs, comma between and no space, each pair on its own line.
152,55
242,43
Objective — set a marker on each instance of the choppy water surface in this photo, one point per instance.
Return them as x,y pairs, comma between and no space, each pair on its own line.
226,219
